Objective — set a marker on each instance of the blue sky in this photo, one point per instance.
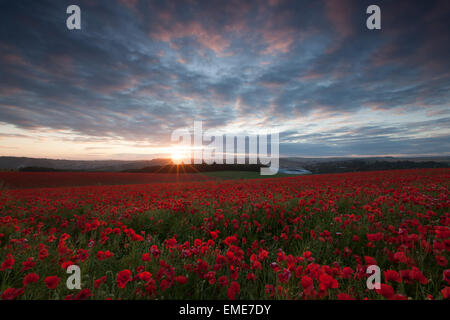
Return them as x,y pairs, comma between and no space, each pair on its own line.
137,70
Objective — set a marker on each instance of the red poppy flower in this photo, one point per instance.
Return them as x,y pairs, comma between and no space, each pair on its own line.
223,281
441,260
233,290
99,281
446,275
146,257
251,276
386,291
145,276
100,255
417,275
306,282
164,284
400,257
83,294
327,282
43,254
8,263
284,275
30,278
123,277
370,260
52,282
214,234
344,296
392,275
446,293
181,279
347,272
269,290
11,293
28,264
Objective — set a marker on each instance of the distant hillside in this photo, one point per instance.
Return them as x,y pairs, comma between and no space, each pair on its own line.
364,165
315,165
17,163
193,168
337,166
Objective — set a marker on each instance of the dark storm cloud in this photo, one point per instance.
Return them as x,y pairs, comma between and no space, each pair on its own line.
139,69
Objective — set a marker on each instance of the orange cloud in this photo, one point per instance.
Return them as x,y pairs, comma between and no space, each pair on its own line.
207,38
339,12
129,3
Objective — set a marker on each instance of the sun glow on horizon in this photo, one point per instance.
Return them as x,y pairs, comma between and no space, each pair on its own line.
178,155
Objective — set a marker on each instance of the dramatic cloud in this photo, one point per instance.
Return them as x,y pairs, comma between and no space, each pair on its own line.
137,70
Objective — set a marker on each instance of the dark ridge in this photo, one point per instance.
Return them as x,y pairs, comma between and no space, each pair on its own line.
193,168
361,165
40,169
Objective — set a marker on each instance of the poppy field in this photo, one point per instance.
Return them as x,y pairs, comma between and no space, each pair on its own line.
305,237
17,180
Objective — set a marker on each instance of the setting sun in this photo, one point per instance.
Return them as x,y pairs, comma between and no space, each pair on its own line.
177,155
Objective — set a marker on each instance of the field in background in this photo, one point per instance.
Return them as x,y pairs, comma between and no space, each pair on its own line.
238,175
17,180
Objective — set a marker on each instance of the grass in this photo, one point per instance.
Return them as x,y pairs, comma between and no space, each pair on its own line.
286,218
242,175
